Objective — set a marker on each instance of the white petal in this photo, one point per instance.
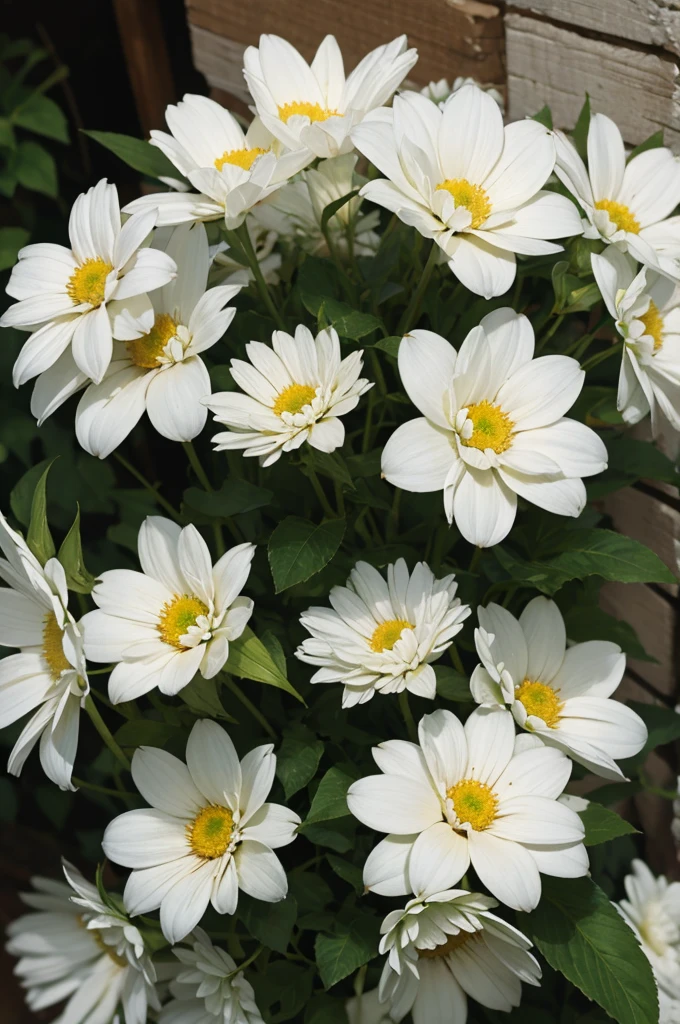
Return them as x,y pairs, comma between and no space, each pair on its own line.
186,902
484,507
144,838
439,860
214,764
426,366
546,637
507,870
93,343
490,736
418,456
394,804
386,867
173,399
444,746
165,783
260,873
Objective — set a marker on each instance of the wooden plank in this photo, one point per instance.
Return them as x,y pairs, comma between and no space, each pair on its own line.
650,22
548,64
221,61
649,520
146,56
655,620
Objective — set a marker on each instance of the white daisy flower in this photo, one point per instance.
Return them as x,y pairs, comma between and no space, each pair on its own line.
440,91
493,427
296,391
381,637
315,105
469,795
207,834
559,693
49,674
75,301
162,372
462,179
367,1009
173,619
646,308
626,204
446,948
209,988
653,912
263,241
232,170
78,949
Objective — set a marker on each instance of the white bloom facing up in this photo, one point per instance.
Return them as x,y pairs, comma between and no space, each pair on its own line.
231,169
561,694
646,308
209,988
173,619
462,179
77,948
381,637
446,948
315,105
48,675
470,794
493,427
441,90
296,391
626,204
162,372
76,301
207,834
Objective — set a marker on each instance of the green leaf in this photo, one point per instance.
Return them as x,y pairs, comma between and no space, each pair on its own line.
352,946
330,799
451,685
348,322
270,923
250,659
389,345
11,240
7,137
21,495
137,153
38,537
348,872
70,555
330,464
297,759
35,168
339,836
145,732
640,459
589,622
298,549
602,824
654,141
663,726
544,117
337,204
233,498
582,935
580,132
202,697
43,116
317,280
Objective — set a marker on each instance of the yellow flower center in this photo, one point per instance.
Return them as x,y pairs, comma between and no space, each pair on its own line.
491,428
176,617
244,158
294,398
387,633
474,802
105,948
210,832
620,215
53,646
313,111
88,282
452,943
472,197
540,700
147,350
653,322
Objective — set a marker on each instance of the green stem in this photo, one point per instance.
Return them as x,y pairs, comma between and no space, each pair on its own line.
549,333
409,318
163,502
103,730
580,346
408,716
319,491
456,659
198,469
100,789
368,423
244,238
600,357
248,962
248,704
393,517
474,561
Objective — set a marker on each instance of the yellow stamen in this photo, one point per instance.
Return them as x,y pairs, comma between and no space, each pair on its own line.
653,322
109,950
387,633
210,832
53,646
620,215
294,398
313,111
88,282
176,617
474,802
453,943
244,158
540,700
147,350
472,197
492,428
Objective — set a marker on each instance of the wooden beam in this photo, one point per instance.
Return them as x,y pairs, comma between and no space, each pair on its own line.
146,54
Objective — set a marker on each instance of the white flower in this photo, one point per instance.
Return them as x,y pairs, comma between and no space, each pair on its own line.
469,795
380,637
441,90
646,308
162,372
462,179
49,672
559,693
315,105
75,301
653,912
79,949
207,834
296,391
209,989
493,427
231,170
173,619
447,947
263,241
626,204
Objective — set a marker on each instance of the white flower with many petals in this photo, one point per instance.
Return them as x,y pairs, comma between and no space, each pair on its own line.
162,372
207,834
209,988
77,948
462,179
469,795
381,637
315,105
559,693
493,427
48,676
173,619
296,391
227,270
441,90
646,308
76,301
446,948
626,204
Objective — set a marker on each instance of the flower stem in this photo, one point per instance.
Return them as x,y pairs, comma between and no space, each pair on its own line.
248,704
456,659
197,467
319,491
411,314
599,357
408,716
248,962
82,784
103,730
163,502
474,561
549,333
243,236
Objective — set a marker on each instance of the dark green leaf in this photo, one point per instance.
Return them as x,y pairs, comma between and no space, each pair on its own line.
451,685
336,836
653,142
589,622
580,132
330,464
348,322
348,872
43,116
544,117
137,153
389,345
202,697
11,240
38,537
297,759
663,725
269,923
70,555
353,945
614,792
298,549
317,280
22,494
250,659
7,137
640,459
35,168
233,498
337,204
145,732
601,824
330,799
